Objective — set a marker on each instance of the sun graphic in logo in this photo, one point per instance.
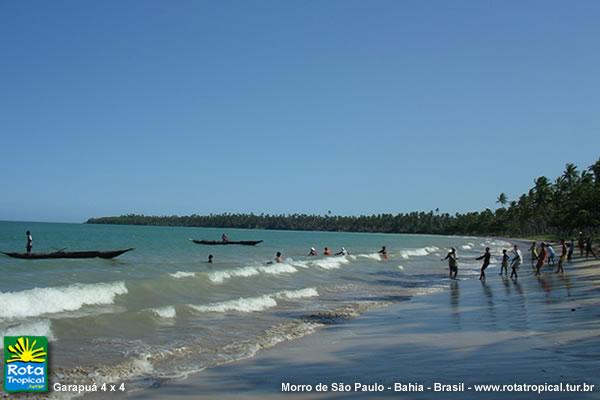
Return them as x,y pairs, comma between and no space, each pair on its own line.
26,352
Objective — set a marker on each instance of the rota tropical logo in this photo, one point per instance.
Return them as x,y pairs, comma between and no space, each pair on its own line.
25,364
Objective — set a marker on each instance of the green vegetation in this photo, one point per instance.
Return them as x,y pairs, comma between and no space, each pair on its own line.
563,207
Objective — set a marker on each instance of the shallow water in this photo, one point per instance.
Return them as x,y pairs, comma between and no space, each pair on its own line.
162,312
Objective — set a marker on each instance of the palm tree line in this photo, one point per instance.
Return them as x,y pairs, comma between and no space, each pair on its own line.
563,207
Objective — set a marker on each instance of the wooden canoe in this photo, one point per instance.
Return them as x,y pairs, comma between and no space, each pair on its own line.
69,254
222,243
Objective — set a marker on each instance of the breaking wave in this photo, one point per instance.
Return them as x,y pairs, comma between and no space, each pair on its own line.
50,300
253,304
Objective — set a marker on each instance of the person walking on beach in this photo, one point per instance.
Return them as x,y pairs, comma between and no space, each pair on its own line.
541,259
383,253
581,244
589,248
563,256
571,250
452,263
486,262
29,245
516,261
504,265
551,254
534,253
312,252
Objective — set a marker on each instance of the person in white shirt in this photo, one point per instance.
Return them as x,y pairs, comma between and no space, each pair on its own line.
516,261
342,252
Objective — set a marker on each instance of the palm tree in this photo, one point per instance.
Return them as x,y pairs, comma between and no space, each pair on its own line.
570,175
502,199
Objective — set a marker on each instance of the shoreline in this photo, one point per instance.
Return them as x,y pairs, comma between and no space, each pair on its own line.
497,332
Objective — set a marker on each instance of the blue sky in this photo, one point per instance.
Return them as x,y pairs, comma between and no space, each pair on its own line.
157,107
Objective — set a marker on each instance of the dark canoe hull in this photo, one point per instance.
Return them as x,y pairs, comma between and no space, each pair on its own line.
222,243
69,254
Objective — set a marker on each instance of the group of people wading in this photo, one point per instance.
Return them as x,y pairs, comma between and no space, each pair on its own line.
540,256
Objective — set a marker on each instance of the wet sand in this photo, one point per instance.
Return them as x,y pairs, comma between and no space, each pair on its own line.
531,331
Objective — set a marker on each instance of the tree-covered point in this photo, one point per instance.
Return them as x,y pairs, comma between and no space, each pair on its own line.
569,204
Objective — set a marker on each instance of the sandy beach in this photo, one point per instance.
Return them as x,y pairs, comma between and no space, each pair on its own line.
533,331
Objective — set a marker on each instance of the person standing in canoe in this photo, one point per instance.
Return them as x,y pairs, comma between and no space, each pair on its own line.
29,242
486,262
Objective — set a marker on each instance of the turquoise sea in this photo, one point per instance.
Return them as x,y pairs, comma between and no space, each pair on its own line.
161,312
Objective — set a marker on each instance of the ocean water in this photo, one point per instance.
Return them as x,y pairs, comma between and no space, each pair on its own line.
161,312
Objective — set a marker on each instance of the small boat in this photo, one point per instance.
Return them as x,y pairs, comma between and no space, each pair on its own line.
69,254
223,243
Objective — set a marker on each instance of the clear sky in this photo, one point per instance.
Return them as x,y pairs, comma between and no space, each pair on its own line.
159,107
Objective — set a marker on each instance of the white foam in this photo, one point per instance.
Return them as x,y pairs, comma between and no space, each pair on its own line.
372,256
32,328
258,303
278,268
466,247
419,252
220,276
49,300
248,304
165,312
297,294
182,274
400,267
330,262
